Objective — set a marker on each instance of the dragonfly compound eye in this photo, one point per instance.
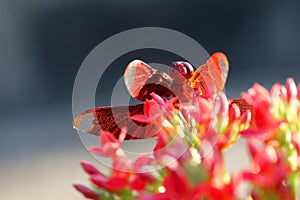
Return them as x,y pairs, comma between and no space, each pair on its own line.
184,68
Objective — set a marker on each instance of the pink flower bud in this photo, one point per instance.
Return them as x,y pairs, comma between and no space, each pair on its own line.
88,193
222,105
234,112
275,90
246,117
291,89
158,99
89,168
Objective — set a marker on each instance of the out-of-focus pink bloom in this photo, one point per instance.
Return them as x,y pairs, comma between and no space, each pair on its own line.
276,116
264,119
141,161
141,180
167,154
272,109
270,170
257,95
109,144
176,186
209,192
138,183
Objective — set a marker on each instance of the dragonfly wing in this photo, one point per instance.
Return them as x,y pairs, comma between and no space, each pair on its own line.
182,89
141,80
113,119
211,77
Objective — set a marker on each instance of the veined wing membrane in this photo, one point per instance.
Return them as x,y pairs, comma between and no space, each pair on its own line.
113,119
141,80
211,76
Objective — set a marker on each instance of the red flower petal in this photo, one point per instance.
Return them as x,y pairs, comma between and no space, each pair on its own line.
121,163
105,151
98,180
106,137
113,184
161,143
201,191
147,177
261,94
97,151
138,184
262,116
108,144
141,161
257,134
176,186
152,109
116,184
141,118
269,167
252,148
203,113
257,95
122,135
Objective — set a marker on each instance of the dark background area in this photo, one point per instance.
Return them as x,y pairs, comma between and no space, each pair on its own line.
43,43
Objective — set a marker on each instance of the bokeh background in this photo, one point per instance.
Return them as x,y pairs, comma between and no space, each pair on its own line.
43,43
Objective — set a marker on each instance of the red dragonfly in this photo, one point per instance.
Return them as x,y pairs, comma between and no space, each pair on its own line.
141,80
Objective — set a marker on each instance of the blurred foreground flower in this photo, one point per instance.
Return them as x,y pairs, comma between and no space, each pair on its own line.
188,155
277,118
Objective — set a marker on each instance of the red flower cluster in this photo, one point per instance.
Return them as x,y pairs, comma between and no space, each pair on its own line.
276,166
125,176
188,155
269,175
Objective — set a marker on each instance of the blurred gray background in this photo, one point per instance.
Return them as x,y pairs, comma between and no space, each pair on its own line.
43,43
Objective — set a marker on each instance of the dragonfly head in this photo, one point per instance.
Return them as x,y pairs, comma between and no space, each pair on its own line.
185,69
